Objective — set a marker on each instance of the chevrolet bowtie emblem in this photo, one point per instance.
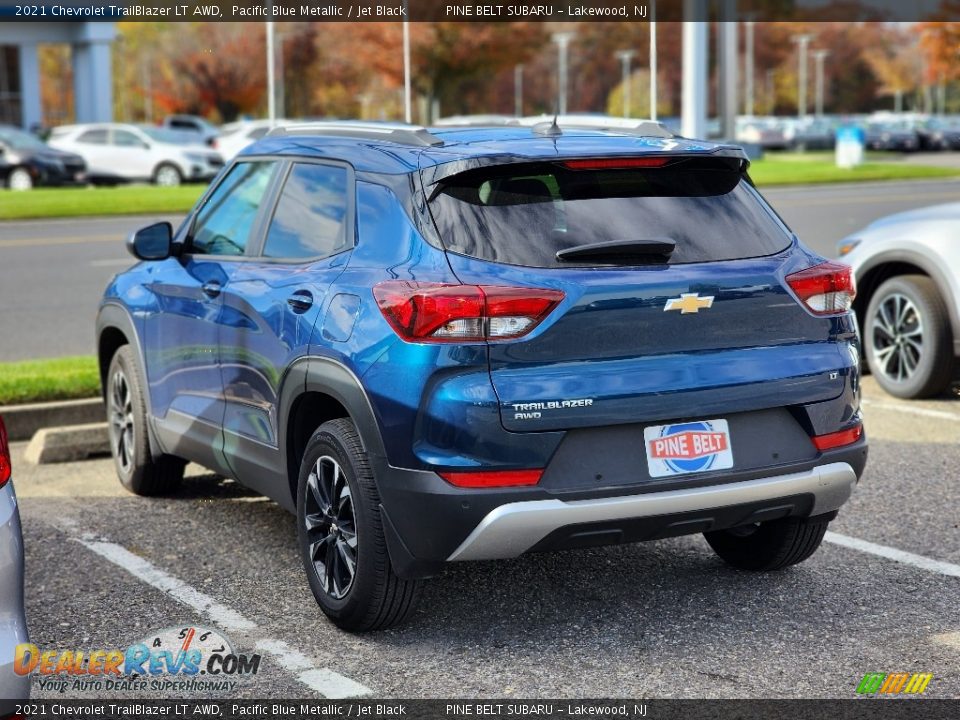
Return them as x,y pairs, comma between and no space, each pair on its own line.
689,303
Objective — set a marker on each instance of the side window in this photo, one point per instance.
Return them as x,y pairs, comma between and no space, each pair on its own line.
311,217
224,223
93,137
126,139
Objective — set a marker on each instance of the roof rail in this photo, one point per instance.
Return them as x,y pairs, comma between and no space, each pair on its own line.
399,133
622,126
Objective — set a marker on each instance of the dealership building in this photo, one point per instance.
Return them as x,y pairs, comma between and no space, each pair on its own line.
20,69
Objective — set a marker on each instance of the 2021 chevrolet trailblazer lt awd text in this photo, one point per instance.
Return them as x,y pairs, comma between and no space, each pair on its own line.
472,343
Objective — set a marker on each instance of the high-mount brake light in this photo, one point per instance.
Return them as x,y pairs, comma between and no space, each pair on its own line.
437,312
826,289
615,163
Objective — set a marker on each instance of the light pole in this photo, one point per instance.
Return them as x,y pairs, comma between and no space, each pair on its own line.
148,87
820,56
625,56
562,39
693,123
771,92
653,59
803,41
407,94
281,72
941,95
271,86
727,68
749,70
518,90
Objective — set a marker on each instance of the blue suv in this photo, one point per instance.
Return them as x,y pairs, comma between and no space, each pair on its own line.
468,344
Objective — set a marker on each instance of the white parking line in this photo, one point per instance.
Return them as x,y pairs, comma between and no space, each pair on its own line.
326,682
909,409
321,680
222,615
901,556
949,639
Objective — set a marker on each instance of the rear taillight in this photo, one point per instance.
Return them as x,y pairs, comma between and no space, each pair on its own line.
434,312
826,289
4,455
493,478
838,439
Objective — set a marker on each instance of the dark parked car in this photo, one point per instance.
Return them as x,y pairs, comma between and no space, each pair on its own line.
26,161
469,344
897,137
939,134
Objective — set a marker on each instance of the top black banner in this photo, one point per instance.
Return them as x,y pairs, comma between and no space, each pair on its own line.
641,11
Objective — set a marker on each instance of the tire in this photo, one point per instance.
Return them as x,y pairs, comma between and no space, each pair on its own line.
138,471
908,339
338,521
167,175
771,545
20,179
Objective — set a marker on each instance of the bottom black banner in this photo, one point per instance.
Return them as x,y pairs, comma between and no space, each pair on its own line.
860,709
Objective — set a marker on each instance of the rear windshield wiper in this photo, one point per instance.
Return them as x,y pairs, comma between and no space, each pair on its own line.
618,248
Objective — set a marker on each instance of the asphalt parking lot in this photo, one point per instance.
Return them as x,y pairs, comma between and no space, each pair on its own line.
664,619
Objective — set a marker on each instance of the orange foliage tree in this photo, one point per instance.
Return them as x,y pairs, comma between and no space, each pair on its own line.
217,67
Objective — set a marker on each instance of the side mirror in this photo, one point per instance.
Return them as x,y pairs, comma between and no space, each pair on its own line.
152,242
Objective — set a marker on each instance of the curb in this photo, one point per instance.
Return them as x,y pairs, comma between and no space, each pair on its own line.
23,421
67,444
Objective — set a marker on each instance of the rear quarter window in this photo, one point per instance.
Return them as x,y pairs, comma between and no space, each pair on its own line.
524,214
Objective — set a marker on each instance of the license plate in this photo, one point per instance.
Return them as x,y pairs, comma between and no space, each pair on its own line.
689,447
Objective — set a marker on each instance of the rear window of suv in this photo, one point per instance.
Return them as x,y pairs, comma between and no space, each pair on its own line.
524,214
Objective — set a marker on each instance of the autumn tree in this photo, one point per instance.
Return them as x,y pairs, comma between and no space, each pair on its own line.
456,64
940,44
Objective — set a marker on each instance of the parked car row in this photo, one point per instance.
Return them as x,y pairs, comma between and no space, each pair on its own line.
897,132
184,148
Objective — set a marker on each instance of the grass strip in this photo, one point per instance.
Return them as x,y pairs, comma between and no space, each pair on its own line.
65,378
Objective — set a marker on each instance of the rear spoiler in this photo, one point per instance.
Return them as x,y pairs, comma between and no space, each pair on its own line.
434,176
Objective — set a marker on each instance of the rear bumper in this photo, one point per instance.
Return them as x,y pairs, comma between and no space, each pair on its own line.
429,522
515,528
13,624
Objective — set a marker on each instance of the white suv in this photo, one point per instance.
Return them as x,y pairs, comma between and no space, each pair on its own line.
907,268
128,153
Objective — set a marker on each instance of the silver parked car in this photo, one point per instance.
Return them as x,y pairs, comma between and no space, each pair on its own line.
13,622
907,268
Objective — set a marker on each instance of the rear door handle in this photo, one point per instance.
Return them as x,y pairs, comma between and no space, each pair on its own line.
300,301
211,289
